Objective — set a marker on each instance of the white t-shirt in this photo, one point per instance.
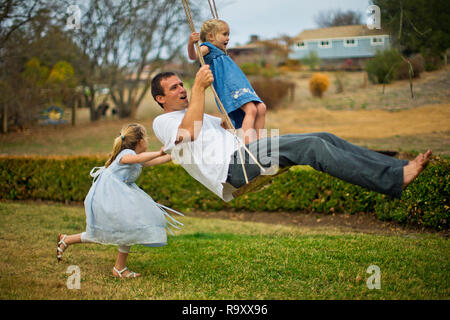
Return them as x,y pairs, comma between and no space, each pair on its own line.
206,158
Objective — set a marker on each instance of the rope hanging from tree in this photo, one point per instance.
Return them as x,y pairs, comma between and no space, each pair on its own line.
213,12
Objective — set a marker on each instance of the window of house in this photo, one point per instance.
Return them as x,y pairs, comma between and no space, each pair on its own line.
324,44
350,43
301,45
377,41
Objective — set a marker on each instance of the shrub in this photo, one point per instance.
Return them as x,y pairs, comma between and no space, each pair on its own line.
318,84
312,60
254,69
339,81
250,68
424,203
269,71
432,61
271,90
291,65
417,64
383,67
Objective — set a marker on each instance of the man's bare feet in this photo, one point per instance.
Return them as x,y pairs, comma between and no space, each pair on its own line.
415,167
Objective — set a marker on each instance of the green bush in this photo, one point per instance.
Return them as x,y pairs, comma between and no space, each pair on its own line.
383,67
312,60
263,69
424,203
250,68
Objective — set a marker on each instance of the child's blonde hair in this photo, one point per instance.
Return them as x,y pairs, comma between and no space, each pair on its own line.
129,137
211,26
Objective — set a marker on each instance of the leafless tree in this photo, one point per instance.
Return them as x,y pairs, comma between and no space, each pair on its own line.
128,37
333,18
13,15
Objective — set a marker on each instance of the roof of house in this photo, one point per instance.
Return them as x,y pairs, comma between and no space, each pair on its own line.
339,32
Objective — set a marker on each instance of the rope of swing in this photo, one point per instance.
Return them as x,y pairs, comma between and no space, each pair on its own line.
213,12
188,13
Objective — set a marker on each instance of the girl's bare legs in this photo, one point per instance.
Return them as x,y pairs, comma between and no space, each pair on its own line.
248,124
260,118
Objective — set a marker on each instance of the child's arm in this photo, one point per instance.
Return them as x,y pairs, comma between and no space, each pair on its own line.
204,50
160,160
141,157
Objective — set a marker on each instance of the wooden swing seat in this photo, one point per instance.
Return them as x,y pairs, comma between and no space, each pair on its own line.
260,182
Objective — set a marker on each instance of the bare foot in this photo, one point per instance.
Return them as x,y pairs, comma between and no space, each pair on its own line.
415,167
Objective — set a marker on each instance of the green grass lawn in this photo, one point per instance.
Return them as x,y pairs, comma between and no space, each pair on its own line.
218,259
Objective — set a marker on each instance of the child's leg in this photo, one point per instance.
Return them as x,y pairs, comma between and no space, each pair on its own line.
70,239
64,241
74,238
260,118
248,124
121,262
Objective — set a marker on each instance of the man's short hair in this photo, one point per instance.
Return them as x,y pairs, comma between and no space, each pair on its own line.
157,89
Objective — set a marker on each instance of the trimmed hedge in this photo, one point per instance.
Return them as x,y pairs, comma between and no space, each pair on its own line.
424,203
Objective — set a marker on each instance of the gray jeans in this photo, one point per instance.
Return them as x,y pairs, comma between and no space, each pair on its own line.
324,152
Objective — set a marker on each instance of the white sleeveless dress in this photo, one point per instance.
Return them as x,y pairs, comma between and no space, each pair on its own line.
119,212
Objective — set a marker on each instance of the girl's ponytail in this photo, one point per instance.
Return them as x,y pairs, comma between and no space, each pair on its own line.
117,147
129,137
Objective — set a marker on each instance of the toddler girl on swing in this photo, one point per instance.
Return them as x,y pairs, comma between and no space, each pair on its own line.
117,210
245,109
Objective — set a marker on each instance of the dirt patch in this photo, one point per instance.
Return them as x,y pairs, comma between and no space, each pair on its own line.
368,124
414,129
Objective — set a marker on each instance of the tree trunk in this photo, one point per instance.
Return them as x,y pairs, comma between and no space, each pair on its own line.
5,118
90,101
74,111
133,109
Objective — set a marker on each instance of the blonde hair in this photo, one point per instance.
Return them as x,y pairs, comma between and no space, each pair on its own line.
129,137
211,26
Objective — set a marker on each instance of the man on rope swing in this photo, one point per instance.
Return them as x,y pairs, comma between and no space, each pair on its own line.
201,144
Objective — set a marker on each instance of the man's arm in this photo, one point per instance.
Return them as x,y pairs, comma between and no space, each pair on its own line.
193,119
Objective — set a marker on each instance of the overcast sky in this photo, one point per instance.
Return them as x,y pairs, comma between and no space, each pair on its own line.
271,18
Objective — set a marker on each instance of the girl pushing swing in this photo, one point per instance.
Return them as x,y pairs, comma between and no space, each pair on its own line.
117,210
